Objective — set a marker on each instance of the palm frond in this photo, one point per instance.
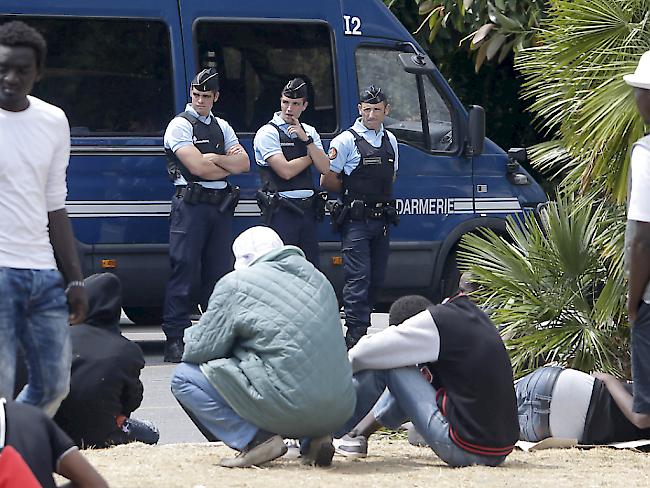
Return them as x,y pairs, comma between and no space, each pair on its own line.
574,79
552,287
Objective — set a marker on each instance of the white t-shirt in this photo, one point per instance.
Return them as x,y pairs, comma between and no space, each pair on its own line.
639,204
569,404
34,155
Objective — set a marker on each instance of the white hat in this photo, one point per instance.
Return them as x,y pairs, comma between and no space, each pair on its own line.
641,76
253,243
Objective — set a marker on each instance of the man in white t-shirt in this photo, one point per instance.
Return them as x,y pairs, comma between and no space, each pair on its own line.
34,228
636,407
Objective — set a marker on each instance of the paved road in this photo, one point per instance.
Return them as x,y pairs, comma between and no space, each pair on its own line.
158,404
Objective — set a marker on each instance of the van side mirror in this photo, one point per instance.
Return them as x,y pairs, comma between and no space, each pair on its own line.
476,130
418,64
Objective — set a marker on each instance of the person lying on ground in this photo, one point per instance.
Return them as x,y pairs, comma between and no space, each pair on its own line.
268,359
568,404
44,447
105,386
446,370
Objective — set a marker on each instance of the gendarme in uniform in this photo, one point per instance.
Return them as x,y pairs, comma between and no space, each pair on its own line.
285,150
202,151
365,160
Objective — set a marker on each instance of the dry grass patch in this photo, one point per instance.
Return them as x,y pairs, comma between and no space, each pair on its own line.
391,463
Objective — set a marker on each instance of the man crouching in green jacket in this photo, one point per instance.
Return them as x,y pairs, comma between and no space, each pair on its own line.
268,360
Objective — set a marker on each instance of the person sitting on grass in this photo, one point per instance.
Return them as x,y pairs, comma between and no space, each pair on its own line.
268,359
446,370
29,437
105,386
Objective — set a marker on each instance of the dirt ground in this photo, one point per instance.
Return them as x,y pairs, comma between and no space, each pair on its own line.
390,463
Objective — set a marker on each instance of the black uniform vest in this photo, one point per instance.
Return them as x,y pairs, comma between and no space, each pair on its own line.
473,376
372,180
291,149
605,423
208,138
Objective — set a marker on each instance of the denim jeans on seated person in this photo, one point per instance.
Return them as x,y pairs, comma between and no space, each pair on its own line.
34,314
410,397
208,409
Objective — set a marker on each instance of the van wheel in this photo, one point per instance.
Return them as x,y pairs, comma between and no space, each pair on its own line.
450,276
144,315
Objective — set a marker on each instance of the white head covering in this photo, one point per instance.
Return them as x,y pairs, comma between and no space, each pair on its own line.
253,243
641,76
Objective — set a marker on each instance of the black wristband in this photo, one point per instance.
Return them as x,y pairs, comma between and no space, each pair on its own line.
310,140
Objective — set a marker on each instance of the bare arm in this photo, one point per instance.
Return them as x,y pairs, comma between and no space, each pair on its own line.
624,400
366,426
65,251
235,160
639,269
320,159
288,169
200,164
80,472
331,181
315,153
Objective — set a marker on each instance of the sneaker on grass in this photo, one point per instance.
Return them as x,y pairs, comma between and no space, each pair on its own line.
352,447
293,448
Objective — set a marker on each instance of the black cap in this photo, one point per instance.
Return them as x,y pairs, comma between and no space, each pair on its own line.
373,94
206,80
296,88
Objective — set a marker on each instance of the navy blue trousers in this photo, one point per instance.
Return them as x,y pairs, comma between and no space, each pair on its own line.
365,249
298,230
200,252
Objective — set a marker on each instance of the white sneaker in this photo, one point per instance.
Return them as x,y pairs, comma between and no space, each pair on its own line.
352,447
293,448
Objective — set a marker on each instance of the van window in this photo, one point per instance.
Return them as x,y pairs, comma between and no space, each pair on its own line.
381,67
256,59
110,76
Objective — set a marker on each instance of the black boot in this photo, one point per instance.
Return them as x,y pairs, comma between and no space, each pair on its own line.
174,350
353,335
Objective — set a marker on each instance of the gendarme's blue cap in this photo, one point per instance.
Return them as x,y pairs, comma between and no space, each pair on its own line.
373,94
206,80
296,88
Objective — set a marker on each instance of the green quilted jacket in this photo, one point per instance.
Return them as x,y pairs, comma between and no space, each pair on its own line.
271,344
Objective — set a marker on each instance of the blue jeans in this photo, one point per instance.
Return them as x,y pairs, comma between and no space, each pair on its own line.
34,314
208,409
365,249
534,392
410,396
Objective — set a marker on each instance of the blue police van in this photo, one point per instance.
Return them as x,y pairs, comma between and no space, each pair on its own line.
121,71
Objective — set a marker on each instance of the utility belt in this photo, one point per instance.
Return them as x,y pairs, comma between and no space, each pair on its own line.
270,202
359,210
225,198
303,203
